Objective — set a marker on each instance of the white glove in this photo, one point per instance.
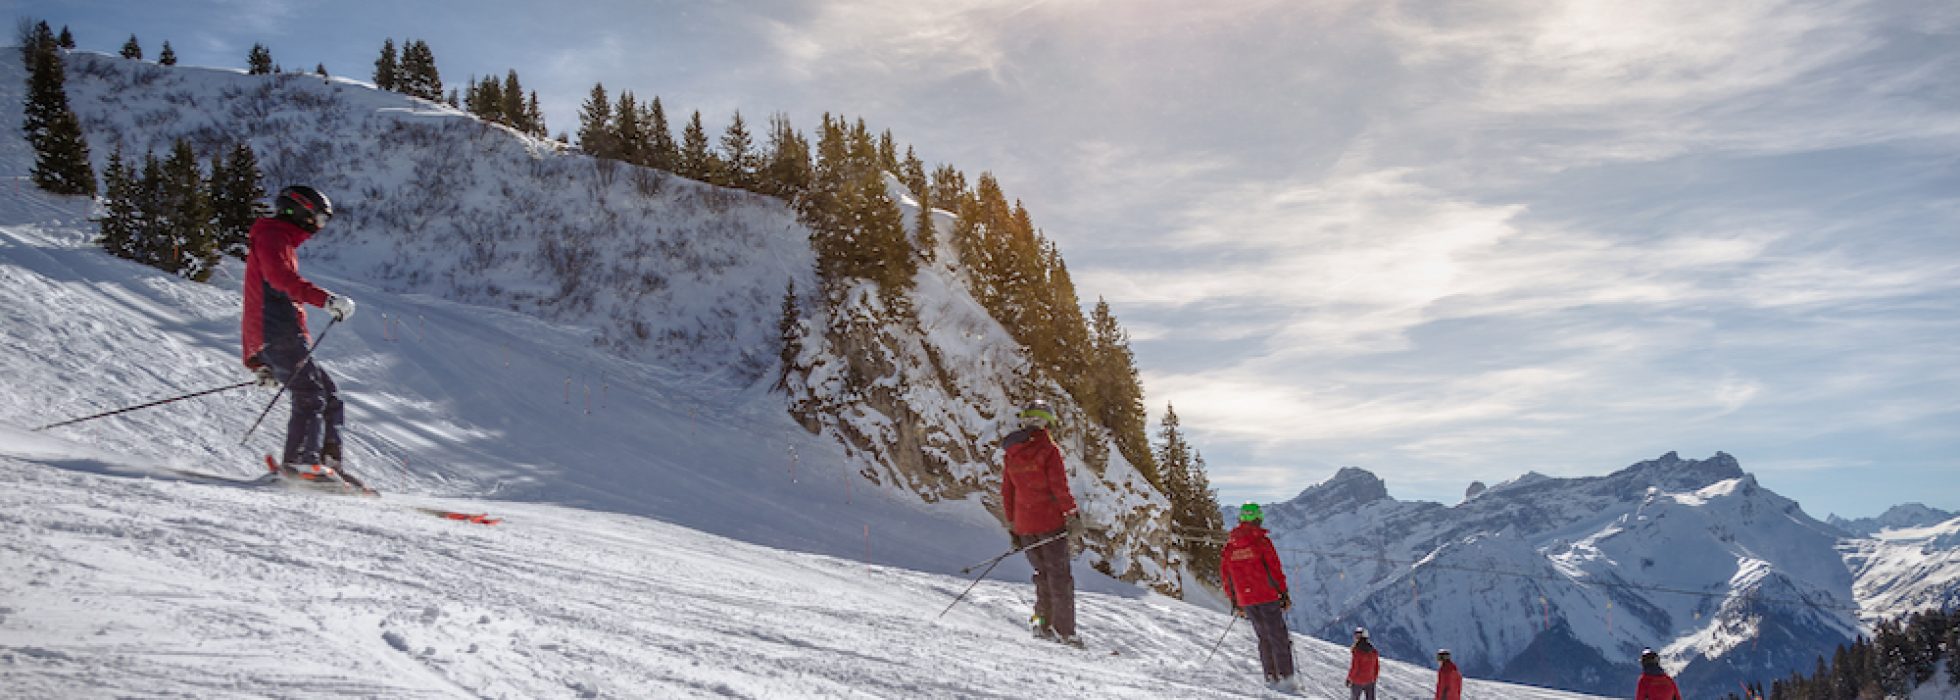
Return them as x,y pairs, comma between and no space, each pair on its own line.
266,380
341,307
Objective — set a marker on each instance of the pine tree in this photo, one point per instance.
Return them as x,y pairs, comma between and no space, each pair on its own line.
259,60
535,116
628,136
664,153
696,163
417,74
385,66
131,49
234,191
320,69
61,159
67,40
887,152
789,334
1118,389
33,40
513,102
595,124
168,56
485,99
787,170
119,209
738,157
913,172
187,216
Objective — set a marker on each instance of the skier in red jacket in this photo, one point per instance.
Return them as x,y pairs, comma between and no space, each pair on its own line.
1256,585
274,328
1034,493
1364,667
1654,681
1449,682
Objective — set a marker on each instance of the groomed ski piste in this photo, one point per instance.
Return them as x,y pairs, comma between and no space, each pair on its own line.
666,532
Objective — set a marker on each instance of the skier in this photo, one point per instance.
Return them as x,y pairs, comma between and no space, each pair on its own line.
1654,681
1034,493
1256,585
1449,682
1364,667
275,334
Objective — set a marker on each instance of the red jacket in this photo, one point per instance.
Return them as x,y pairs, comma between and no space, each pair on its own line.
1365,667
273,288
1449,682
1034,484
1250,568
1656,686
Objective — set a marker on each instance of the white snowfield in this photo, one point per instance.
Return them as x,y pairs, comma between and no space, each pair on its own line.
118,586
669,532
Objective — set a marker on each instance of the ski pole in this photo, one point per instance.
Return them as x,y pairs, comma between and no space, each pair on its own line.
147,405
990,567
1012,552
308,357
1221,640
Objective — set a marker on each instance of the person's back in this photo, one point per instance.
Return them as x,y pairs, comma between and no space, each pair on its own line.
1256,585
1449,681
1654,681
1040,513
1364,667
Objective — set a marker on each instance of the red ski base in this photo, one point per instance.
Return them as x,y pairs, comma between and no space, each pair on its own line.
326,477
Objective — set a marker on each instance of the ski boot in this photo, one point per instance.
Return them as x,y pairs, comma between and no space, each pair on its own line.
1038,626
330,458
1069,640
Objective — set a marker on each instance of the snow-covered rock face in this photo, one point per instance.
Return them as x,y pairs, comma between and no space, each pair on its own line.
1563,581
933,404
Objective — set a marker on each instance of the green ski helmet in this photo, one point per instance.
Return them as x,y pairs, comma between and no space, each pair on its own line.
1250,512
1038,414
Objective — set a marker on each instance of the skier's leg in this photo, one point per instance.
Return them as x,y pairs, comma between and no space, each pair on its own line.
1061,587
284,356
332,414
1263,619
1041,601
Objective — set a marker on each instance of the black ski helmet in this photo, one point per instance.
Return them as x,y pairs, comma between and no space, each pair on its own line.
303,206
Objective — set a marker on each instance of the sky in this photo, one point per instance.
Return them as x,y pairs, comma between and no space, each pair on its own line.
1443,242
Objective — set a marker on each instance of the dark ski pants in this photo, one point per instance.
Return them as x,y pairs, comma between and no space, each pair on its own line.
1054,584
317,412
1275,645
1357,692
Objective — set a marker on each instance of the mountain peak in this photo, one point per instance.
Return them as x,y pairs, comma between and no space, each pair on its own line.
1349,488
1671,472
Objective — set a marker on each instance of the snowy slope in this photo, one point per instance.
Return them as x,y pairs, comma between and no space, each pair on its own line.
122,586
1562,581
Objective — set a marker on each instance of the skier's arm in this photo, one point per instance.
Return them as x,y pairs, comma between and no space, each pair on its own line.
276,265
1007,496
1058,479
1273,568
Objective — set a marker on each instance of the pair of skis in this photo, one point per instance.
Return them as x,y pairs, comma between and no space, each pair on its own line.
328,480
336,481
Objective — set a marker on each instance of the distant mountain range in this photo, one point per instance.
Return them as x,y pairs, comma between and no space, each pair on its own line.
1905,515
1562,581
